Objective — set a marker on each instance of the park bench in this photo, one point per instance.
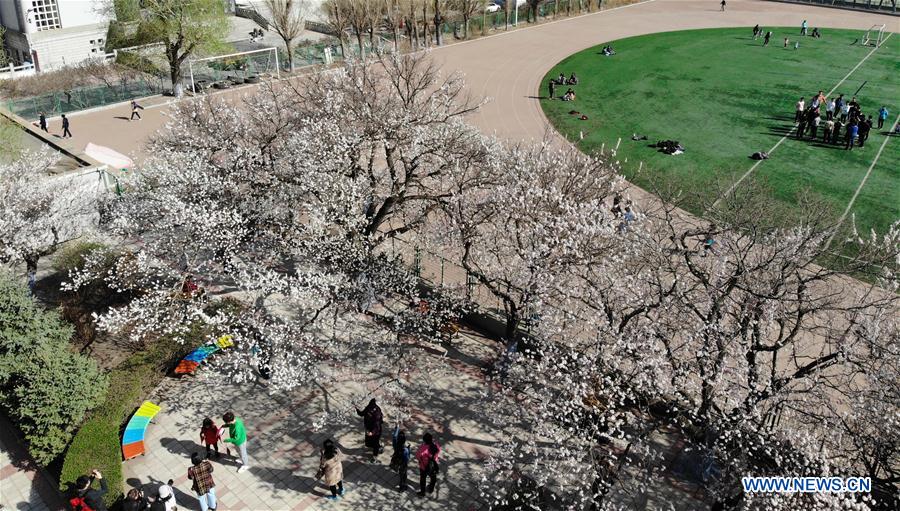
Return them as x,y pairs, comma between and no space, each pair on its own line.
133,437
192,361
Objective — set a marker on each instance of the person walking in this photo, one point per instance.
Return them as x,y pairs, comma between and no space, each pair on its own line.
331,470
134,110
237,435
800,108
803,27
882,116
723,5
552,87
756,31
373,420
766,38
86,497
210,434
429,466
65,127
400,458
201,474
42,121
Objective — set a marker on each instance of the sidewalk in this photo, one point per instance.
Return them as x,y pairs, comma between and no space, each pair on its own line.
22,486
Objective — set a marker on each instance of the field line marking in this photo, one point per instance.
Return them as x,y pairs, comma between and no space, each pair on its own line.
750,171
862,183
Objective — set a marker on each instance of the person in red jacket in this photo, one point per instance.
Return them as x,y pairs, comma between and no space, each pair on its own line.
429,466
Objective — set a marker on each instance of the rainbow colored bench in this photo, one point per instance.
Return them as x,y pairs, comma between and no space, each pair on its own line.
192,361
133,438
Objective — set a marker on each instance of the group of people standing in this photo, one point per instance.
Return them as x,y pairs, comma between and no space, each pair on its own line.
840,114
427,455
199,473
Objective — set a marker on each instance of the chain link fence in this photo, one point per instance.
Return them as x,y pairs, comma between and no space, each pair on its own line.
83,98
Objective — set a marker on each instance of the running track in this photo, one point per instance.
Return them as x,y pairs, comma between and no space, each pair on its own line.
508,67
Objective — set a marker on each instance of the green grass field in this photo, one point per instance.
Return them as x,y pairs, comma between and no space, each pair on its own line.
724,97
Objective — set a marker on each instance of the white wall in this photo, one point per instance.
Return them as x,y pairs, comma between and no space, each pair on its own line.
75,13
58,48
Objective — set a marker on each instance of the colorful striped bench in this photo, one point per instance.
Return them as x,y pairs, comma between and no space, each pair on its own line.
190,363
133,438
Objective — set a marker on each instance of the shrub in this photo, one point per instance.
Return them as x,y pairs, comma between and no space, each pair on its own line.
45,388
98,442
71,256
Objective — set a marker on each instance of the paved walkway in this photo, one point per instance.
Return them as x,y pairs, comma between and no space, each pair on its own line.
22,486
426,391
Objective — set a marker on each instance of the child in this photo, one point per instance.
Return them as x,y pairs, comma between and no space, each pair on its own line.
210,434
400,459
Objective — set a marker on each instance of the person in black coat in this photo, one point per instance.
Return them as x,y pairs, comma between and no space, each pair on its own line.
135,501
373,420
65,127
43,123
91,497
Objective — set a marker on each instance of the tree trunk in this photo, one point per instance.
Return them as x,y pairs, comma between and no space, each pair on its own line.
290,55
512,321
362,50
396,31
438,24
465,26
425,40
175,76
555,9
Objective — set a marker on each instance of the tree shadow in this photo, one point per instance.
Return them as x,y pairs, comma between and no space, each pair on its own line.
182,447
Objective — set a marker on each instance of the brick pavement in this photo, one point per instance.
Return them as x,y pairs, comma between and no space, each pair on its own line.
23,486
443,395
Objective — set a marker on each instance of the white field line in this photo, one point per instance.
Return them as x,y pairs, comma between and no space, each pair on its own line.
750,171
862,183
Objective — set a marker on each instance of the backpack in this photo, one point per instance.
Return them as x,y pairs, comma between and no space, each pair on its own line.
79,504
434,468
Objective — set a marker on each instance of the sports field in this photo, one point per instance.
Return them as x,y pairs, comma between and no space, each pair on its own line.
724,96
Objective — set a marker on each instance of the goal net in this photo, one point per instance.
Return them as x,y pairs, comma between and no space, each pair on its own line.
225,71
874,36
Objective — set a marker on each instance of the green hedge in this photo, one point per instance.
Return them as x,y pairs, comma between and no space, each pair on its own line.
45,388
98,442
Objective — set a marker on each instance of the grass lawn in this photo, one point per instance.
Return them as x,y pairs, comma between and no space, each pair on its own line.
724,97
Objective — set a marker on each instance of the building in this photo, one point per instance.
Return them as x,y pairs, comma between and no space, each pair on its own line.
54,33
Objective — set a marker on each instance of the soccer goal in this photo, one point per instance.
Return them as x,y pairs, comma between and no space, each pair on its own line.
874,36
225,71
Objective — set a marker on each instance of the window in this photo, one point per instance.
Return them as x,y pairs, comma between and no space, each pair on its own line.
46,14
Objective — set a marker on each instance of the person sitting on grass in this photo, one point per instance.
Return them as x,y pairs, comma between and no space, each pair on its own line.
561,80
573,80
815,33
608,50
569,95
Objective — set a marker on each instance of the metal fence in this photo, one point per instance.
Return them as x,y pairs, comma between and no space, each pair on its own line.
883,6
83,98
